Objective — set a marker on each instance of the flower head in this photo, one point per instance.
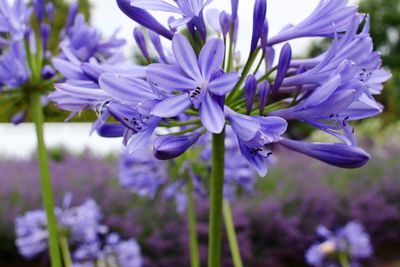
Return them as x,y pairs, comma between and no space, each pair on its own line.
194,79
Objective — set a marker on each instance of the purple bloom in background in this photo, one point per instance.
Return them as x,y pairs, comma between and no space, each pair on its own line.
14,70
194,79
31,232
81,223
350,241
14,20
85,41
141,173
121,253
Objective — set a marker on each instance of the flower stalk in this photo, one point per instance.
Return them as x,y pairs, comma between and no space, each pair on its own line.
45,180
66,254
191,213
231,233
217,184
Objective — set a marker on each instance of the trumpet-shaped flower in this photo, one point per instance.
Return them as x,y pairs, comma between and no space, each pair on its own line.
194,79
329,17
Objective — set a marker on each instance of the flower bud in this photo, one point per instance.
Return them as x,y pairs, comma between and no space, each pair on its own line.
144,18
249,92
336,154
111,130
283,66
48,72
225,22
259,13
171,146
141,42
263,91
19,117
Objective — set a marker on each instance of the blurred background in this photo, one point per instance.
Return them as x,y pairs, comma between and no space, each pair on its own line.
276,225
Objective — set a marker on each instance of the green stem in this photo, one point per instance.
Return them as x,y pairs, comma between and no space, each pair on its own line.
65,251
344,261
230,230
191,212
45,180
235,94
217,186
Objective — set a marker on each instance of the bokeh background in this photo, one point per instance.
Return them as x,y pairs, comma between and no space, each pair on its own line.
277,224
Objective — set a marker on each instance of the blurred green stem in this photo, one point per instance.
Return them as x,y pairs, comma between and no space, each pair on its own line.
230,230
191,212
65,251
45,180
344,260
216,191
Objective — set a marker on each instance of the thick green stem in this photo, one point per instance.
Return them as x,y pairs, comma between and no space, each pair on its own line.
230,230
45,180
191,212
217,186
65,251
344,260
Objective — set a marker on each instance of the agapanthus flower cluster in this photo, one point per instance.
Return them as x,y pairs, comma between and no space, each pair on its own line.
88,240
25,52
195,85
348,244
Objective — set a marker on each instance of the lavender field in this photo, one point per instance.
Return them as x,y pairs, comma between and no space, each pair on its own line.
275,224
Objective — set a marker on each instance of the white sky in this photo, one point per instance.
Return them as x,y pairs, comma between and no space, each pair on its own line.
108,17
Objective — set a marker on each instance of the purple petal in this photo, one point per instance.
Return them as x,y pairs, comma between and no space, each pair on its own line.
169,77
126,89
111,130
245,127
211,115
157,5
223,84
211,58
68,69
185,57
139,140
172,106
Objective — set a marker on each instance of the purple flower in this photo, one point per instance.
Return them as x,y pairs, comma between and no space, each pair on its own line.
122,253
81,224
254,133
14,70
14,20
350,241
85,41
141,173
194,79
188,9
329,17
331,105
31,232
336,154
